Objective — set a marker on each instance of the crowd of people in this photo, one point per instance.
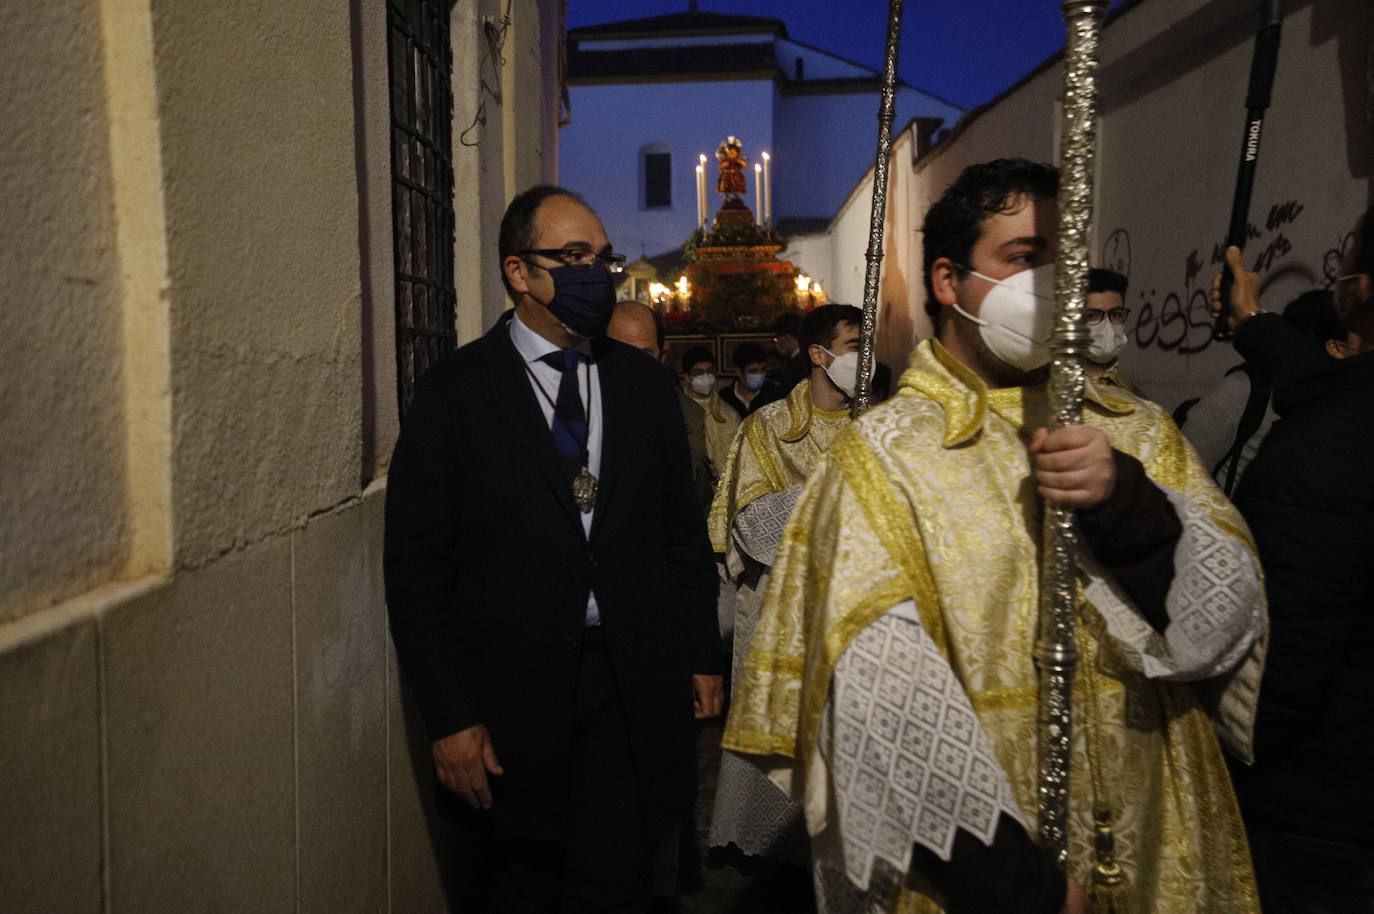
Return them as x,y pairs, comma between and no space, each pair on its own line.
565,511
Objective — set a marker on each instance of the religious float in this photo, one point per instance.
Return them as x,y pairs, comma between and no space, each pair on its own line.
732,286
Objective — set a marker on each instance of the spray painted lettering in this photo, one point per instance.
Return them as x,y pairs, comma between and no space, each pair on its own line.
1177,320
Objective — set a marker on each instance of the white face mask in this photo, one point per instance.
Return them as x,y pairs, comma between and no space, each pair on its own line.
844,371
754,381
703,384
1108,340
1017,317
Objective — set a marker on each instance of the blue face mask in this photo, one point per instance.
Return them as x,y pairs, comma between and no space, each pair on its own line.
583,298
755,381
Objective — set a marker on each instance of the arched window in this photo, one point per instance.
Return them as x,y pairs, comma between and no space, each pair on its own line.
655,176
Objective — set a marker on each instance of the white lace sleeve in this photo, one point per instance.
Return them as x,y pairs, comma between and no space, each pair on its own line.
908,760
1215,603
758,528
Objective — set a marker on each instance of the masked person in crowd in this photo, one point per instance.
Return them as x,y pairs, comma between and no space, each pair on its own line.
700,396
550,584
1309,497
751,388
636,324
891,684
793,365
1229,423
1106,316
761,479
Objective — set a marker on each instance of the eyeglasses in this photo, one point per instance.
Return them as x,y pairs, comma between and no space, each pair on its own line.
580,258
1115,315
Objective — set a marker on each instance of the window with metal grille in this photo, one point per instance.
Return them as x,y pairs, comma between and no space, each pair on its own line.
656,167
420,65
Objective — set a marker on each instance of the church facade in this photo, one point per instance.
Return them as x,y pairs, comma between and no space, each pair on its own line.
647,97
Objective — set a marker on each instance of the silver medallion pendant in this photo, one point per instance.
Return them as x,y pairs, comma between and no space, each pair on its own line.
584,490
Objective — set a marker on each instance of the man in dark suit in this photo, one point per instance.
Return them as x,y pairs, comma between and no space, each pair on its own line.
551,588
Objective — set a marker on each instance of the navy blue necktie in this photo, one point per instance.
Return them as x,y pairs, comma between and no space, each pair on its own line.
569,425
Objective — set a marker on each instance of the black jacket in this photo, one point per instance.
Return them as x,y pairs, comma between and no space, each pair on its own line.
1309,500
488,571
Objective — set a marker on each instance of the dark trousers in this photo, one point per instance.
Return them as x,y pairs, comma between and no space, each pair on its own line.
605,862
1301,874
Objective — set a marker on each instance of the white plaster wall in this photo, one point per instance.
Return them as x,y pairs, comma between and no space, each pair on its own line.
512,147
827,141
1169,153
262,216
817,64
599,150
62,477
1173,85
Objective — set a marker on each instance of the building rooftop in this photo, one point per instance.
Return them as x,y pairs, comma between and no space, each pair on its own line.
719,58
691,23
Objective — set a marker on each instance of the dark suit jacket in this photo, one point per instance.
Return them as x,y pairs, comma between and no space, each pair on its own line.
488,571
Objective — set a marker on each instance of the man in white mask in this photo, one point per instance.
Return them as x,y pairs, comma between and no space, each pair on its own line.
891,682
774,451
1106,316
708,419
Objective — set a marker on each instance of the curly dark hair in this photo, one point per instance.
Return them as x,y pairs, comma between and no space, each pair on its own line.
955,222
819,326
1104,280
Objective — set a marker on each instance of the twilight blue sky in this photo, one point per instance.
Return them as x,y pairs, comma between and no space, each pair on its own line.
965,51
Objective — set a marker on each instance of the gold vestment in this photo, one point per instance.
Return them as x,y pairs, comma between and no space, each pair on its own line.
930,498
775,449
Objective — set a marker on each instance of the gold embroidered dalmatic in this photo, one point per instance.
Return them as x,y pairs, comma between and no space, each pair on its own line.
930,498
721,424
775,449
772,454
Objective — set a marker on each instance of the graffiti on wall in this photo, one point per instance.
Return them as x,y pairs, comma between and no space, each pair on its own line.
1176,319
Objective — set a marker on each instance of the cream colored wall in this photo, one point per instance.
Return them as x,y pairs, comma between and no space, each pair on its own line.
377,270
262,216
513,148
64,522
201,375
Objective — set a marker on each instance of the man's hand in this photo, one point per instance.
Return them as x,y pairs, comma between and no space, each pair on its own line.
462,761
1075,901
1074,466
708,694
1244,291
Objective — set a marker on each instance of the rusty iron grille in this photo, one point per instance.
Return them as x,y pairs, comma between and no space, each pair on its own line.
420,63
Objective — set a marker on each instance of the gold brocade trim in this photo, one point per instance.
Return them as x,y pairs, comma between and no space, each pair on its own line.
938,376
799,408
965,398
1023,698
714,404
751,742
757,437
896,528
772,660
1093,390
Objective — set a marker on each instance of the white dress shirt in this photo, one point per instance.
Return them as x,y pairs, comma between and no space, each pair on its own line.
532,348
